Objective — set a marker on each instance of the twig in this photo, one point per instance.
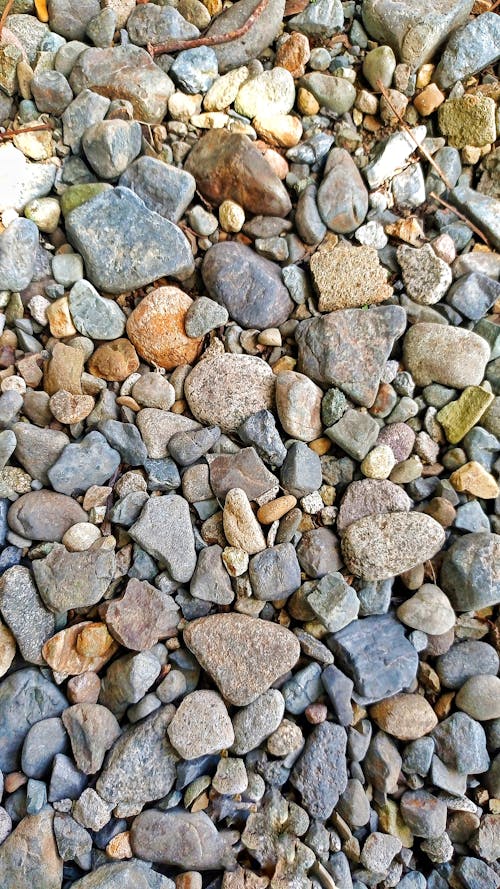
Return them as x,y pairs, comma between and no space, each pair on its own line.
9,134
8,7
214,40
407,130
477,231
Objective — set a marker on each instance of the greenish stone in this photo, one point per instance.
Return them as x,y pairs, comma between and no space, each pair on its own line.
333,405
76,195
490,331
10,56
469,120
458,417
391,822
195,789
379,64
15,309
19,7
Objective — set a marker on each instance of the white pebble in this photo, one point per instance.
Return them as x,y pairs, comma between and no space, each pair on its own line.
379,463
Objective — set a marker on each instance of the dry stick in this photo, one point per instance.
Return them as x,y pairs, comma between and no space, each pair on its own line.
9,134
477,231
8,7
214,40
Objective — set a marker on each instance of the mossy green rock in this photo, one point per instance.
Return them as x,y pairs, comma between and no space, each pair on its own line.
76,195
458,417
469,120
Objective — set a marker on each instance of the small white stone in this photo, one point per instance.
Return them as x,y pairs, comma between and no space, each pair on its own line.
231,216
379,463
372,235
312,503
13,384
80,537
38,306
235,560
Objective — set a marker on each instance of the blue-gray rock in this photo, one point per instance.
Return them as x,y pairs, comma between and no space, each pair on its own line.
210,581
480,208
336,94
174,548
165,189
469,50
18,254
92,730
26,697
162,475
93,315
244,470
187,447
156,24
51,92
342,195
36,796
473,295
259,430
461,744
70,20
74,580
301,470
82,464
124,874
110,146
274,573
126,439
321,19
474,873
309,223
74,843
356,433
376,655
470,517
334,602
194,70
424,813
249,46
249,286
86,109
464,660
417,757
470,573
482,446
109,231
127,509
25,614
66,781
127,680
204,315
302,689
189,840
320,774
44,740
339,689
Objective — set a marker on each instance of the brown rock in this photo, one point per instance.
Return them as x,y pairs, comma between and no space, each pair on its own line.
68,408
29,856
226,389
226,166
472,478
243,470
276,509
44,515
406,717
293,54
156,328
62,652
240,525
142,616
7,649
59,318
83,688
119,847
342,195
349,277
114,361
64,370
94,641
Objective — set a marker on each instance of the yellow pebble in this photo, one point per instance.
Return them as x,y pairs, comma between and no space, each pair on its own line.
472,478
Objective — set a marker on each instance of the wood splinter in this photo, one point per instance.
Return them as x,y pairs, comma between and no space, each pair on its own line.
213,40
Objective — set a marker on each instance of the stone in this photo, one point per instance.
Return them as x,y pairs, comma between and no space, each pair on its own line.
474,873
482,209
119,873
124,72
254,723
250,45
141,617
240,525
414,30
226,389
479,697
227,166
175,548
366,339
111,145
242,654
156,25
453,356
274,573
339,690
473,295
404,716
165,189
469,50
127,680
156,328
458,417
153,390
24,613
44,515
424,814
272,90
69,22
348,277
425,276
29,856
65,652
320,773
74,580
323,19
259,430
319,553
108,232
188,840
391,155
468,120
469,573
51,92
37,449
17,693
18,248
114,361
126,439
44,740
201,725
90,461
90,810
194,70
210,581
204,315
334,602
92,730
380,546
157,427
355,433
298,403
376,655
68,408
86,109
336,94
429,611
379,65
247,285
461,744
63,370
188,447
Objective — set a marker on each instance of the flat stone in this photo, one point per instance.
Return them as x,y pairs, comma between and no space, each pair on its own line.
370,497
29,856
92,730
201,725
322,19
227,166
429,611
243,655
94,316
334,602
74,580
91,461
435,353
356,433
111,145
249,286
349,277
141,616
366,339
254,723
260,35
126,439
469,50
473,295
156,328
44,740
479,697
203,316
165,189
274,573
468,120
24,613
210,581
108,232
127,680
380,546
44,515
425,276
37,449
404,716
320,774
342,196
226,389
243,470
241,528
424,814
18,250
392,154
157,428
376,655
188,840
174,549
157,25
17,715
469,573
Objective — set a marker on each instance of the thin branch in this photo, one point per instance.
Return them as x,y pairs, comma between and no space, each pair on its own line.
407,130
213,40
5,13
9,134
477,231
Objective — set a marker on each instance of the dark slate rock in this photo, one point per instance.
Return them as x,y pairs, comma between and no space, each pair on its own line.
163,474
473,295
247,285
66,781
375,653
342,195
126,439
164,188
26,697
470,573
339,689
43,742
108,231
260,431
476,874
320,774
127,510
70,20
461,744
302,689
88,108
301,470
88,462
18,254
482,446
274,573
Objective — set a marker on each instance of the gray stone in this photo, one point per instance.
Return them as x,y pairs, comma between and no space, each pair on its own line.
25,614
38,449
379,850
44,515
481,209
424,814
188,840
376,655
476,874
156,24
92,730
336,94
26,697
51,92
249,46
310,226
121,874
44,740
461,744
382,763
74,843
90,461
464,660
110,146
390,155
334,602
342,195
127,680
470,517
108,232
90,810
259,430
86,109
339,690
435,353
356,433
482,446
417,757
187,447
201,725
469,50
319,552
194,70
210,581
66,781
253,724
74,580
126,439
321,19
302,689
320,774
18,254
93,315
174,549
301,470
380,546
71,21
354,807
165,189
203,316
157,427
274,573
425,276
470,571
473,295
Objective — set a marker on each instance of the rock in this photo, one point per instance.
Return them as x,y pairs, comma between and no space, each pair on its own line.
18,249
453,356
37,449
425,276
124,72
240,525
108,232
408,29
63,370
379,851
391,155
175,548
94,316
465,660
342,195
66,651
74,580
189,840
319,552
17,693
226,166
461,744
339,690
226,389
247,285
44,740
111,145
376,655
273,91
424,814
259,429
201,725
29,856
165,189
479,697
334,602
458,417
429,611
367,338
243,655
68,408
86,109
379,65
380,546
24,613
335,94
370,497
254,723
156,328
473,873
211,582
141,617
349,277
90,810
92,730
88,462
157,25
323,19
71,22
404,716
355,432
468,120
473,295
298,403
153,390
194,70
274,573
51,92
249,46
469,50
117,874
143,750
158,426
320,774
203,316
115,360
469,573
482,209
44,515
127,680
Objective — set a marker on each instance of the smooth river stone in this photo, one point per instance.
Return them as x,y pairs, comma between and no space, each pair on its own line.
18,692
189,840
380,546
44,515
438,353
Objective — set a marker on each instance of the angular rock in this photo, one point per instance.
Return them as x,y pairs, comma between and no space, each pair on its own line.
274,573
44,515
320,775
92,730
174,548
157,428
226,389
24,613
18,692
470,573
465,660
189,840
370,497
91,461
482,209
349,277
429,611
74,580
425,276
250,45
110,146
120,874
165,189
461,744
342,195
334,602
141,616
43,742
18,249
155,25
381,546
210,581
243,470
29,856
38,449
127,680
469,50
94,316
67,656
253,724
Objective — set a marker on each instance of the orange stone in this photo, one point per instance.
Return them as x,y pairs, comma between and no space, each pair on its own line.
276,509
94,640
472,478
406,717
294,54
156,328
119,847
114,361
62,654
429,99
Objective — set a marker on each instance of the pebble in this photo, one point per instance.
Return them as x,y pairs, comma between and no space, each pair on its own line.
381,546
175,549
469,49
479,697
201,725
429,610
256,722
141,617
298,403
165,189
18,245
426,277
461,744
468,573
44,515
404,716
22,860
18,599
451,356
349,277
156,328
240,525
465,660
74,580
323,757
225,390
424,814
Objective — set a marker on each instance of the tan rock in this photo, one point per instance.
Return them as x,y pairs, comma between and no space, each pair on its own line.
349,277
94,640
119,847
29,856
59,318
298,402
281,130
68,408
63,370
240,525
472,478
114,361
80,537
156,328
429,610
62,654
276,509
306,102
84,688
294,54
429,99
7,649
406,717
